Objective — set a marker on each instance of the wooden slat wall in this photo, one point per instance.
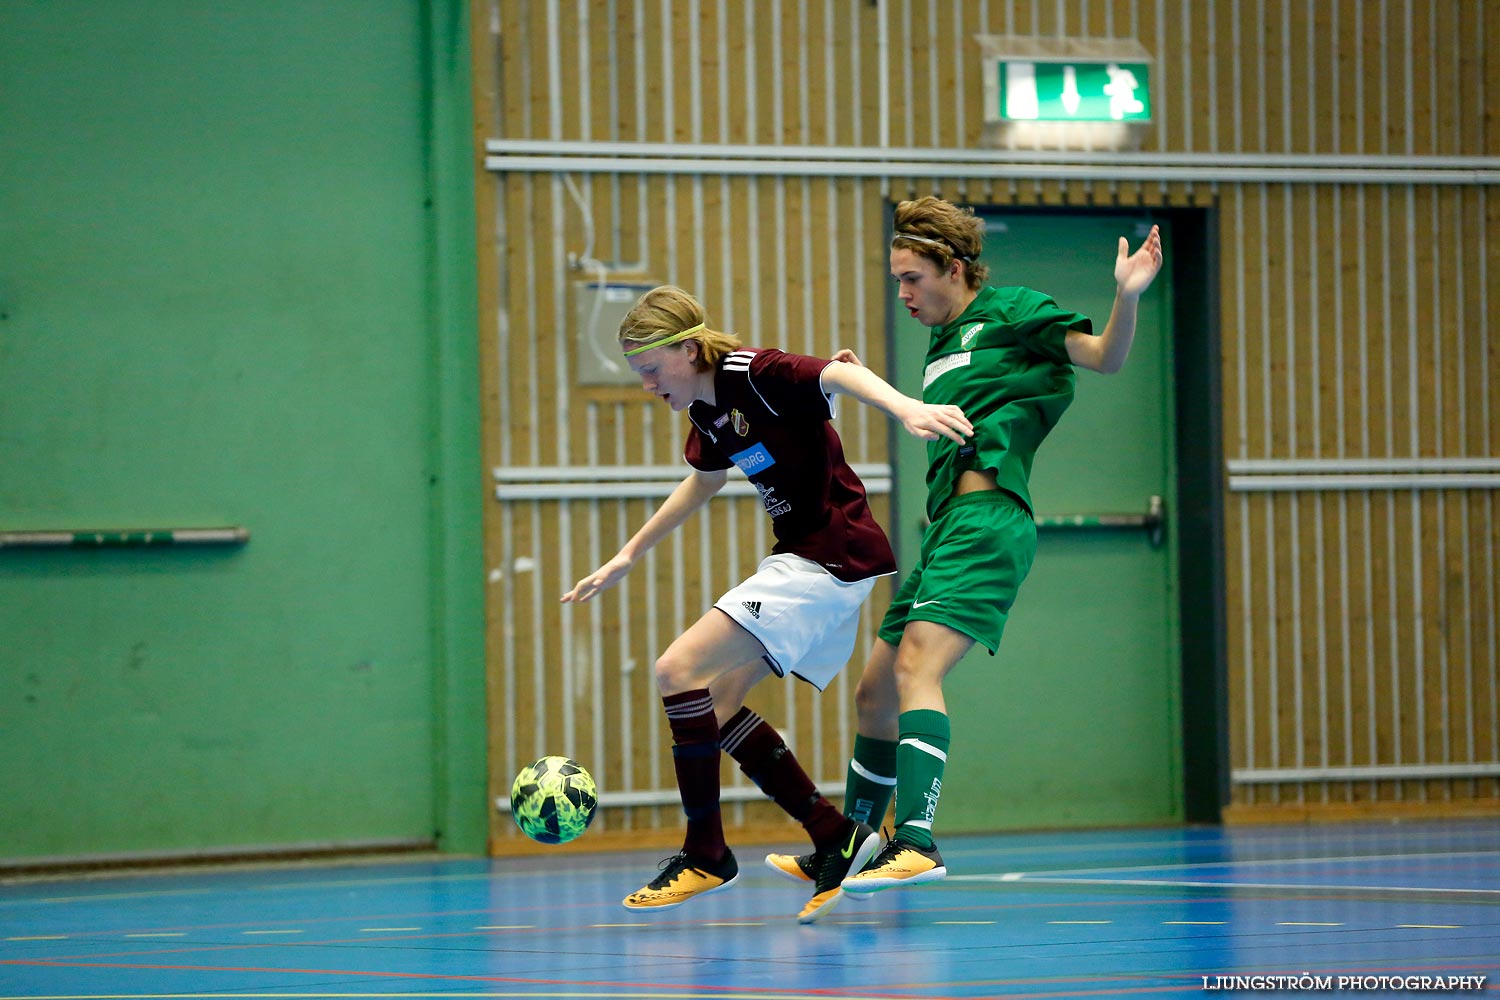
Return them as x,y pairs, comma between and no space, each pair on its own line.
1363,624
1356,322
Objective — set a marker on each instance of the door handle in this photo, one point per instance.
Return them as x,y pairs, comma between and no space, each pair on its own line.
1153,521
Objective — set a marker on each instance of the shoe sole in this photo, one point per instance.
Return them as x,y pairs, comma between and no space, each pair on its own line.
868,885
863,853
672,906
799,877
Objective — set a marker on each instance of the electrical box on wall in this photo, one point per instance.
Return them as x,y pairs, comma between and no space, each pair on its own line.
598,309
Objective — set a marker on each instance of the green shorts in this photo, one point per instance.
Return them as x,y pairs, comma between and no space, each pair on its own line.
974,557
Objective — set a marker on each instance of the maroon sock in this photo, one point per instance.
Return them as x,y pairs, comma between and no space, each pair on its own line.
765,759
695,755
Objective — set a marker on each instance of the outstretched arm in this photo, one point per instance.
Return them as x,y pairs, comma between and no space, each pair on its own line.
1134,273
924,420
690,494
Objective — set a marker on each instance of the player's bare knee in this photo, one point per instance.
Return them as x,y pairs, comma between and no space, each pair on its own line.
872,701
675,673
914,676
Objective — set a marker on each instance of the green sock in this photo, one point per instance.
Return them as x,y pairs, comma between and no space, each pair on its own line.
871,781
919,774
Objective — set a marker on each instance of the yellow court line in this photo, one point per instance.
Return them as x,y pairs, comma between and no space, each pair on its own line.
1433,927
159,934
1305,923
39,937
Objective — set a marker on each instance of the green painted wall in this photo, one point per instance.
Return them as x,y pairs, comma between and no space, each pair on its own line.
236,275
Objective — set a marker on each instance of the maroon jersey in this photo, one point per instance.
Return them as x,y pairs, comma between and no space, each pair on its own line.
770,417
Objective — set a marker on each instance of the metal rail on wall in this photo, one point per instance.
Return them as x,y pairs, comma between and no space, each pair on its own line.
586,157
1153,521
74,538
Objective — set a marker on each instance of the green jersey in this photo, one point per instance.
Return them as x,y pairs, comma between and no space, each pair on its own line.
1004,362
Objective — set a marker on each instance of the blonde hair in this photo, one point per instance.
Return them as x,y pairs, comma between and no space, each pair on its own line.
942,232
666,311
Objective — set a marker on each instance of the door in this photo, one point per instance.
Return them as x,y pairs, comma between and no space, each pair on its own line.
229,319
1075,722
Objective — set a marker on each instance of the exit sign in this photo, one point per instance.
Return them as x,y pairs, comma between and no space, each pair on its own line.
1076,91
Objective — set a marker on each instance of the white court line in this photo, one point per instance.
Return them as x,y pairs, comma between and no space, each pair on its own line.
1257,843
1014,877
1348,859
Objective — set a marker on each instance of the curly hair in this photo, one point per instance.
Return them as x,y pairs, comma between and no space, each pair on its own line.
942,232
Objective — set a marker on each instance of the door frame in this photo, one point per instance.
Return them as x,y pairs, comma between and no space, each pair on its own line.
1200,513
1199,499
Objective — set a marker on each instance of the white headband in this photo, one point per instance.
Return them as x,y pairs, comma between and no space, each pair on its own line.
936,243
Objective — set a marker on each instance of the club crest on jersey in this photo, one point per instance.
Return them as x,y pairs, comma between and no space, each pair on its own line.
738,421
970,332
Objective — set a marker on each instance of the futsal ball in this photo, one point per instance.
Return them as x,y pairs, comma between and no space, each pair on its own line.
553,799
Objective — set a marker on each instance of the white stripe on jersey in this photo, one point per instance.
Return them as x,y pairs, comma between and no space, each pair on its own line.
738,361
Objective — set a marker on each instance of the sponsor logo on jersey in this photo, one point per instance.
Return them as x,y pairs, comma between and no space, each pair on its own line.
775,506
753,459
741,425
966,339
943,366
753,607
721,420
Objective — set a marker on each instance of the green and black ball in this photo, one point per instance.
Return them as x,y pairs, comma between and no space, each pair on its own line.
553,799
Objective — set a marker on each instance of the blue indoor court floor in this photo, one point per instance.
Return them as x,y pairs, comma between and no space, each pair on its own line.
1076,914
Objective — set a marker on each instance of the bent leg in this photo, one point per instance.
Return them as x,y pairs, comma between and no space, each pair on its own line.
928,652
766,760
712,646
709,650
730,688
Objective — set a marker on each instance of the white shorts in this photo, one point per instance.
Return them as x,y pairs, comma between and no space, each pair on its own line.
806,618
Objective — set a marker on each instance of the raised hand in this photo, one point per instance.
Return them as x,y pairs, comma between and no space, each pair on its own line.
1134,272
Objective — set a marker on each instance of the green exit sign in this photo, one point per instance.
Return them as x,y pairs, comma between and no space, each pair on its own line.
1076,91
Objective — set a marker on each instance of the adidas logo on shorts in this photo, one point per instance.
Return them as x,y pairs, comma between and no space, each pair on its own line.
753,607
